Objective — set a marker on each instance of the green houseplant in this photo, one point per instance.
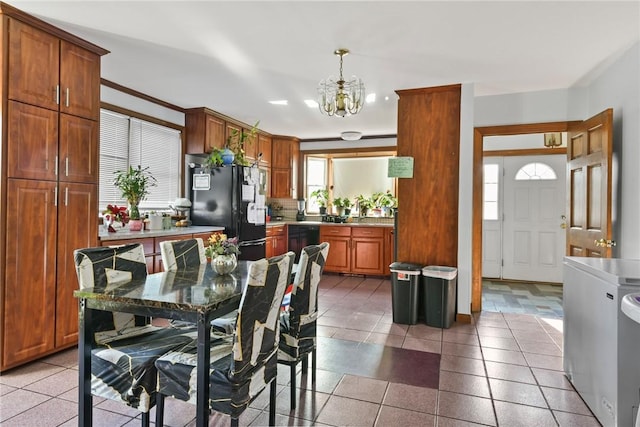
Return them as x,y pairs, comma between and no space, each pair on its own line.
321,196
134,183
385,201
342,204
233,150
364,204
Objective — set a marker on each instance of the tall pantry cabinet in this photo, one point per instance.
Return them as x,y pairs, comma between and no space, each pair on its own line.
49,182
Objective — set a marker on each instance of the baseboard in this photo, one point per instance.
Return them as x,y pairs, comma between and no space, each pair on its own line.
463,318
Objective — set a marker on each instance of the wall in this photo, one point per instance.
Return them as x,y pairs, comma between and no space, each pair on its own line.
139,105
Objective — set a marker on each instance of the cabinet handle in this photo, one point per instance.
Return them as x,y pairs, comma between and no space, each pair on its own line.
66,196
55,167
56,96
55,196
67,100
66,166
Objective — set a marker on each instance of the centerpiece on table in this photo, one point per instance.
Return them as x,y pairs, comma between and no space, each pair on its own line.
223,253
134,183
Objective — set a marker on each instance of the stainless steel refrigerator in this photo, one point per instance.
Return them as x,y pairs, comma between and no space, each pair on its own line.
602,344
229,197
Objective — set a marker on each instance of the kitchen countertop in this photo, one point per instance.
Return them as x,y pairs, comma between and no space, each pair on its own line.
174,231
338,224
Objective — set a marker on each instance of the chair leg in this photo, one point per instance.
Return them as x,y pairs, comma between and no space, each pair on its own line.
159,410
305,364
145,419
272,403
234,422
313,366
293,386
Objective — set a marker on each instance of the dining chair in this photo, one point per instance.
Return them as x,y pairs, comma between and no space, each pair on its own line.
125,346
182,253
298,323
243,364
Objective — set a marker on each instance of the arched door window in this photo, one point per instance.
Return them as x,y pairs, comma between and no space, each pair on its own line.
537,171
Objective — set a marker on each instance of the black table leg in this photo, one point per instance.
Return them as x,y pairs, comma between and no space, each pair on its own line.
85,401
202,397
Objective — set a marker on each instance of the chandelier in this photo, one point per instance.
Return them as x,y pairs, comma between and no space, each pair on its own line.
340,97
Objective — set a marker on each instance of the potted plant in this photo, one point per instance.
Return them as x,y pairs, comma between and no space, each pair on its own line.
321,196
341,205
347,203
134,183
222,252
385,201
364,204
234,152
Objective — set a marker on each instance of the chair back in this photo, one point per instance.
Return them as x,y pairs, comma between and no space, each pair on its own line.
105,266
303,308
182,253
257,327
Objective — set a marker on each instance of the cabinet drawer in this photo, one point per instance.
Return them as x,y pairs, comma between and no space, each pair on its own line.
335,231
275,230
147,244
367,232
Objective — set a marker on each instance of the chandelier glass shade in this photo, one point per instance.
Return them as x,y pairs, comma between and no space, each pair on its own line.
340,97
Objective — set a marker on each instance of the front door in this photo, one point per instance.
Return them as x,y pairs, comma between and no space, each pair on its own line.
589,154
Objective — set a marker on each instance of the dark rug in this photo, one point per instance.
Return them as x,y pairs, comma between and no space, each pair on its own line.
397,365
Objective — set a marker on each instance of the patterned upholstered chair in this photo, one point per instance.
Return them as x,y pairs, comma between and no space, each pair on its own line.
182,253
244,363
125,346
298,323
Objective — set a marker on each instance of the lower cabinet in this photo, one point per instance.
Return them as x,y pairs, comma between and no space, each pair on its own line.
357,250
276,240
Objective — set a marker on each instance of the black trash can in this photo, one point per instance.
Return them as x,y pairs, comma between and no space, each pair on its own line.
405,281
439,295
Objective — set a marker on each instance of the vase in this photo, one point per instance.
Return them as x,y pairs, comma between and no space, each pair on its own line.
224,264
135,224
227,156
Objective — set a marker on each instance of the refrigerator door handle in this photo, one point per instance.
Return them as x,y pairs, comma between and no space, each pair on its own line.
256,242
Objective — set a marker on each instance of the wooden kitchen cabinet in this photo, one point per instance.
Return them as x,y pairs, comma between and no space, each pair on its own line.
355,250
284,167
53,73
389,248
204,130
264,147
276,240
50,182
339,239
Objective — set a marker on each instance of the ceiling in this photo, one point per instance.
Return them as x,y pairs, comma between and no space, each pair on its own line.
234,57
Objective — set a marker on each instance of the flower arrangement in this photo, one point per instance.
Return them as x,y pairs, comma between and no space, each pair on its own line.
219,244
115,213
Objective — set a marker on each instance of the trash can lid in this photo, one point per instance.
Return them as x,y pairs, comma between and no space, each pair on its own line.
440,271
405,267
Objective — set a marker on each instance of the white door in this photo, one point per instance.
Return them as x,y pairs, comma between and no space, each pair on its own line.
492,218
534,212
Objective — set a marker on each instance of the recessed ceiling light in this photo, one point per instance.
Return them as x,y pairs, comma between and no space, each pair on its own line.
279,102
351,135
370,98
311,103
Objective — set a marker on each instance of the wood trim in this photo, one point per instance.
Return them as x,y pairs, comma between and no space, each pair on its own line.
478,154
424,90
140,116
463,318
18,14
135,93
354,152
525,152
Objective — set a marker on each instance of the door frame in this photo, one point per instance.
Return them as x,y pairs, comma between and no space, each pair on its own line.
478,154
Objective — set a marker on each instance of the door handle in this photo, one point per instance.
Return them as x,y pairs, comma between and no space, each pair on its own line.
563,225
605,243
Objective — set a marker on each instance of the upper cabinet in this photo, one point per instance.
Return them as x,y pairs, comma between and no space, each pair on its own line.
284,166
204,131
264,147
52,73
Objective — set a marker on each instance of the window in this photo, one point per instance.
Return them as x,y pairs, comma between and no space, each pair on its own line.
491,192
535,171
316,179
127,141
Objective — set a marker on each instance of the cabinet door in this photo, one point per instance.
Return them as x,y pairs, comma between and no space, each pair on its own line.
79,81
264,147
281,154
279,244
78,152
77,225
367,255
389,243
214,133
281,183
251,147
33,66
28,328
269,248
32,142
339,259
203,131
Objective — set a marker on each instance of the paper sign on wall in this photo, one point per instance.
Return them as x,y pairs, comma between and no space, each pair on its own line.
400,167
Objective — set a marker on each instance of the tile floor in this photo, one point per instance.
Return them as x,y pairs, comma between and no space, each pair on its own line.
542,299
503,369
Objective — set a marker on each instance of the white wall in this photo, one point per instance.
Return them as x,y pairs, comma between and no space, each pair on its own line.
139,105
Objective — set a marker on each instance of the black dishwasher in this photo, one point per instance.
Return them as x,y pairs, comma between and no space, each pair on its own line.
301,236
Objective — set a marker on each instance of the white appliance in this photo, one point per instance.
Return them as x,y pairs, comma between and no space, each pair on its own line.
602,344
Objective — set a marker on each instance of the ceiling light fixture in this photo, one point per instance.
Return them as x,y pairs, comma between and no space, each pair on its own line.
351,135
340,97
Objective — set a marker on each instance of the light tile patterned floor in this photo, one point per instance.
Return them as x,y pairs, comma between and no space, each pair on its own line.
504,369
542,299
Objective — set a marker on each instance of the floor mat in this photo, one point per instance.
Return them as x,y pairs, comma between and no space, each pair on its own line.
543,299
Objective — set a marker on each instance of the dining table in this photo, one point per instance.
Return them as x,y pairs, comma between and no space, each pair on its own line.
194,294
